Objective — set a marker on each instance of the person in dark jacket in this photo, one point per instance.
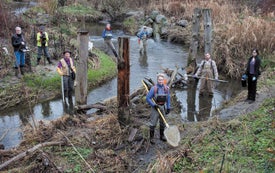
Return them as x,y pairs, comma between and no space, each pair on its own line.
108,35
252,72
161,94
19,46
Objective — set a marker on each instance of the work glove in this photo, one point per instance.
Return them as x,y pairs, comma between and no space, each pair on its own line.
254,78
167,111
59,72
156,106
244,77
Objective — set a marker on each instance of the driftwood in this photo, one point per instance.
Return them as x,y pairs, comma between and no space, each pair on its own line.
173,77
5,133
99,106
132,134
102,106
28,152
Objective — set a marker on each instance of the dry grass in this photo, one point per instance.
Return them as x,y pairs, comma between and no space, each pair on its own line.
237,30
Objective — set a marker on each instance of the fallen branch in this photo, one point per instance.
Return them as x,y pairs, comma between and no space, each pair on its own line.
5,133
89,166
99,106
28,152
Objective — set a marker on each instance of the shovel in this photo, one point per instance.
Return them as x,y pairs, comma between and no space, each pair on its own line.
171,133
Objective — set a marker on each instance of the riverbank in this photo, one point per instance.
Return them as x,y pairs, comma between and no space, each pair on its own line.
97,143
43,83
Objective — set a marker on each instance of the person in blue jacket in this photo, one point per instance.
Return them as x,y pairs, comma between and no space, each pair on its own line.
142,39
108,35
161,95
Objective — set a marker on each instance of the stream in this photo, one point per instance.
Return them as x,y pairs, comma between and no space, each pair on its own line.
159,55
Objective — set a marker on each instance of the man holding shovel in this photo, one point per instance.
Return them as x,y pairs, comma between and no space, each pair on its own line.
161,100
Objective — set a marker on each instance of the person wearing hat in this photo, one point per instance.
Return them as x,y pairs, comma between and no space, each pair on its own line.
108,35
142,39
42,39
64,68
161,95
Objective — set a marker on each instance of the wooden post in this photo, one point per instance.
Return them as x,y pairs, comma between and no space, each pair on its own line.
82,68
207,30
123,82
193,52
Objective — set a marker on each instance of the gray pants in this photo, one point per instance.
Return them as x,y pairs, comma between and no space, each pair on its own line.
154,117
68,85
110,44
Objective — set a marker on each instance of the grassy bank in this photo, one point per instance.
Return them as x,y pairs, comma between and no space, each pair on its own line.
240,145
107,70
45,85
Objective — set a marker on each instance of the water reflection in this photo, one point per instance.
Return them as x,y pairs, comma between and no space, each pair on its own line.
143,60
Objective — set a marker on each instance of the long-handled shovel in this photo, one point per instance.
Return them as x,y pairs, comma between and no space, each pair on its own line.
201,77
62,88
171,133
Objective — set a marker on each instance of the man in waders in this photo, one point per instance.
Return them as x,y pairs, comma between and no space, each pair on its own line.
161,94
142,39
108,35
64,68
207,69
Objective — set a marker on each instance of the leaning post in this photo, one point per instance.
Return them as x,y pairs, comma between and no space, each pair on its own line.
195,41
81,68
123,81
207,30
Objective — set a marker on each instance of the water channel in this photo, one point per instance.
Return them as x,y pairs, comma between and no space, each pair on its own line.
160,54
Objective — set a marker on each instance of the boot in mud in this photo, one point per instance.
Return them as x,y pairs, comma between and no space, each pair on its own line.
22,70
161,135
17,74
152,132
50,62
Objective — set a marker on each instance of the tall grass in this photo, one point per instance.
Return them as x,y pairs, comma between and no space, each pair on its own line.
237,30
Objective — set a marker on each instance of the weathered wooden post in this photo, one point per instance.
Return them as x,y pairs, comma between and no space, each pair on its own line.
193,51
207,30
123,81
81,68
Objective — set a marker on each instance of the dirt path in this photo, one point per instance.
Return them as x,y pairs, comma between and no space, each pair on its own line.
241,107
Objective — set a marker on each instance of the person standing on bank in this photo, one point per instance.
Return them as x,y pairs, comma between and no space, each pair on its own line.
108,35
64,68
252,72
42,39
207,69
19,46
161,94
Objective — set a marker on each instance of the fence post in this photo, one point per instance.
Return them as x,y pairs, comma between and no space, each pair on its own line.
82,68
123,82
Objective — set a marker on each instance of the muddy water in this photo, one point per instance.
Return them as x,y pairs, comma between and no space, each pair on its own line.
159,54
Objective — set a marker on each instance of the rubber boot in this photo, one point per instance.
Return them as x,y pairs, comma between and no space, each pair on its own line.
38,61
152,132
17,73
22,70
50,62
161,134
